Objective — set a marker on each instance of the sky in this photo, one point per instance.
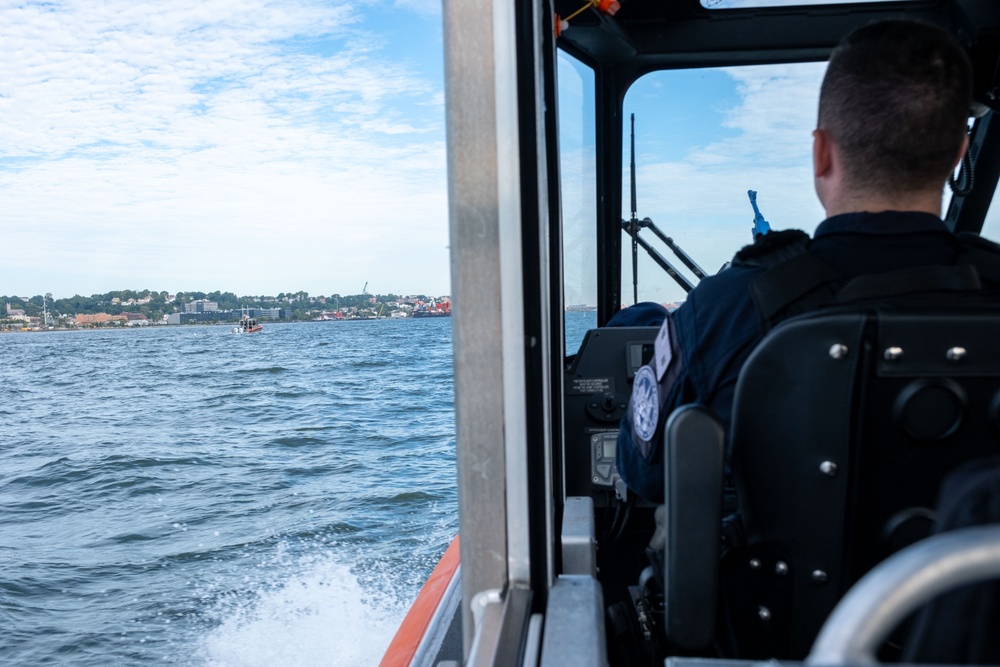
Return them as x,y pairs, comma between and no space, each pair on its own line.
261,147
236,145
706,137
703,138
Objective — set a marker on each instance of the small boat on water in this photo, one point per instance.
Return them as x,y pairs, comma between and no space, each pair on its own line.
432,309
247,324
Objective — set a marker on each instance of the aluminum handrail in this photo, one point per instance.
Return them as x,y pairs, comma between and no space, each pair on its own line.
900,585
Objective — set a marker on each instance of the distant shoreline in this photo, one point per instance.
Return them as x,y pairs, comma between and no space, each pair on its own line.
193,325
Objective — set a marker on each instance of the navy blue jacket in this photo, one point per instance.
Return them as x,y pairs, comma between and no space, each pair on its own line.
718,326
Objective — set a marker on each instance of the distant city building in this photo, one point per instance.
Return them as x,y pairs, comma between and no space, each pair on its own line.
268,313
211,317
99,318
16,314
201,306
220,316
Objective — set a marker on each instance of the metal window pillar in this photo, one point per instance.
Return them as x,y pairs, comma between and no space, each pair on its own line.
499,216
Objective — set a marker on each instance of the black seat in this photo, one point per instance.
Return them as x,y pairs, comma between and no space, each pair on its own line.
844,425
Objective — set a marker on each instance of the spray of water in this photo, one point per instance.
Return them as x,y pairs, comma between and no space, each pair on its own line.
322,615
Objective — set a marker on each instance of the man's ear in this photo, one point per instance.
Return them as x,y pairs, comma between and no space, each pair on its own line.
822,154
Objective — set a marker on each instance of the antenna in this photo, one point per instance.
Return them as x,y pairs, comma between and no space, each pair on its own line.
634,224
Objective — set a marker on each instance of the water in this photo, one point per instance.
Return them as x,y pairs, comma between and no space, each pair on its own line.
188,496
576,324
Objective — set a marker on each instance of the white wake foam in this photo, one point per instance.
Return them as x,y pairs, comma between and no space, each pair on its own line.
321,616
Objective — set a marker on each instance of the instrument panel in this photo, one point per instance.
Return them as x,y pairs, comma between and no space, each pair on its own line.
598,383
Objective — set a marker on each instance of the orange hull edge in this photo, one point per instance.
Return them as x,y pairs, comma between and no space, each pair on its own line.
407,639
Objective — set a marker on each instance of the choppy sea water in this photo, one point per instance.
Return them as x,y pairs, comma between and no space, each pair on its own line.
189,496
186,496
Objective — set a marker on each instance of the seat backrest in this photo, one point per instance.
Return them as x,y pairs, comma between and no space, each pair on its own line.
844,424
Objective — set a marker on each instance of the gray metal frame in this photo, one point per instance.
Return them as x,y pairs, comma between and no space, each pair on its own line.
478,175
485,211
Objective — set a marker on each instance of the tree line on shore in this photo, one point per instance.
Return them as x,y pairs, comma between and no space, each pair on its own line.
155,305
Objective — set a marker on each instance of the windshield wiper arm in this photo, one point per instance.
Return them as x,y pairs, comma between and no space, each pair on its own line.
660,260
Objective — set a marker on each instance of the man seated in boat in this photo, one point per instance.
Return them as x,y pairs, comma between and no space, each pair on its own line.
893,112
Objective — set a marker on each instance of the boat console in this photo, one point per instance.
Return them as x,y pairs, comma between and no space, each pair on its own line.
597,384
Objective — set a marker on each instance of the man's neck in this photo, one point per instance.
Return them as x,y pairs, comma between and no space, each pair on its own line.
922,202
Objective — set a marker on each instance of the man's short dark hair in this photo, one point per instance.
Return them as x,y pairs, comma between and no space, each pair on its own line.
895,99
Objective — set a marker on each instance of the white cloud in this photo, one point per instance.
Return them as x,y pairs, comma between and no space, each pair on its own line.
206,137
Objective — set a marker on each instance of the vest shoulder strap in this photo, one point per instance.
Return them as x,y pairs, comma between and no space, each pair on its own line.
796,280
772,249
981,253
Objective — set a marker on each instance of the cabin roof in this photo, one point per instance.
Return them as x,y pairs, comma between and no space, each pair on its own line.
647,35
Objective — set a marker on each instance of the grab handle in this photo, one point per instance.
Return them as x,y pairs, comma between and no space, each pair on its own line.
900,585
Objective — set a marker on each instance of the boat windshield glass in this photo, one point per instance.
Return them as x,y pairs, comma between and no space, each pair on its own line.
579,205
703,138
991,227
740,4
